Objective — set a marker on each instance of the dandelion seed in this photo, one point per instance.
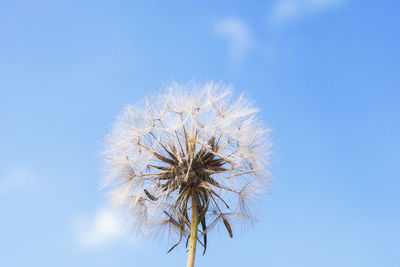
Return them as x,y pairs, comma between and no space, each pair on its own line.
187,160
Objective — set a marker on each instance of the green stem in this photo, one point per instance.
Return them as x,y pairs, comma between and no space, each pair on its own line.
193,231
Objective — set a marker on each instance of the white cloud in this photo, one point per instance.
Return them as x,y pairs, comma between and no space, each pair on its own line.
287,10
238,35
99,229
17,178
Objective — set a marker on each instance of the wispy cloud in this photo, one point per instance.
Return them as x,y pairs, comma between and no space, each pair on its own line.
16,179
237,34
98,230
288,10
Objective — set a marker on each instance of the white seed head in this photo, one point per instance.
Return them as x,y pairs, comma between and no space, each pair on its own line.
192,140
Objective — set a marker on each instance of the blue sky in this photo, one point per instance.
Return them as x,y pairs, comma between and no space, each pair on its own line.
325,74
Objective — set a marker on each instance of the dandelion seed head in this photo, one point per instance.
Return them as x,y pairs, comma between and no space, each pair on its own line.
192,140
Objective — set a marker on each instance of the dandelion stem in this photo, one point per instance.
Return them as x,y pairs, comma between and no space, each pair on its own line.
193,231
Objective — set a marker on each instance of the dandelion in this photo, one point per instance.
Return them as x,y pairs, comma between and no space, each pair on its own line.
187,160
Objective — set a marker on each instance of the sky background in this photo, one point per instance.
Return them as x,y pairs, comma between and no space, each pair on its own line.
325,74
